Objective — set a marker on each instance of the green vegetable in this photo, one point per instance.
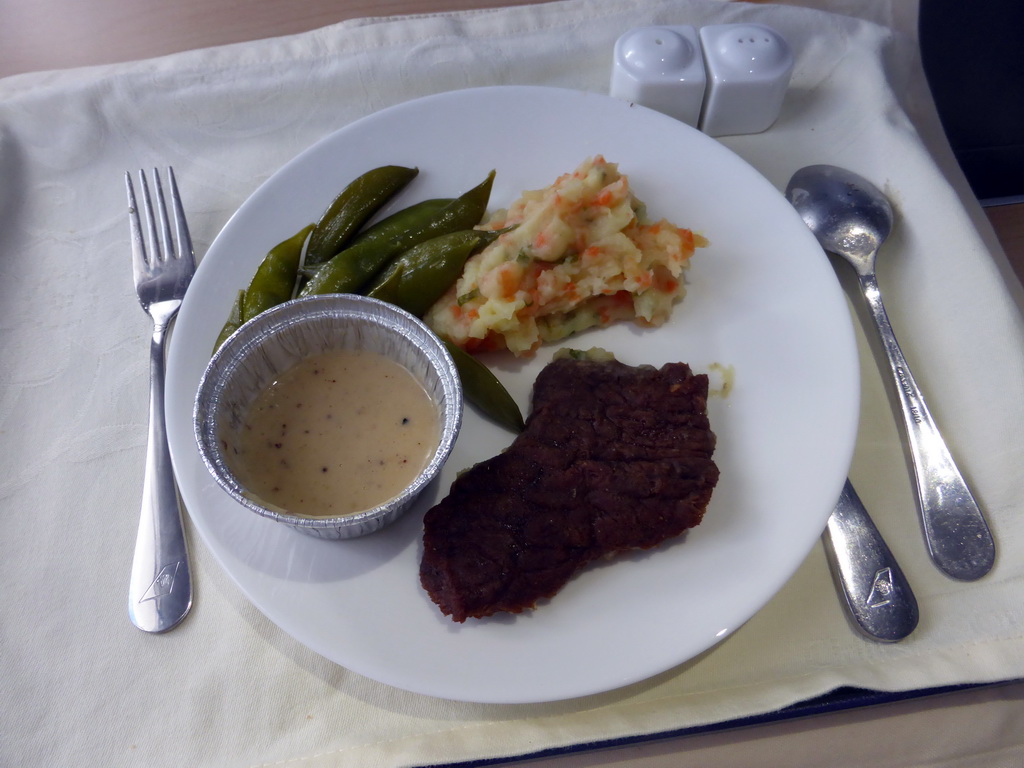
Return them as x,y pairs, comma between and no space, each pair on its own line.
392,227
402,220
274,281
353,207
467,296
351,270
234,321
482,389
420,276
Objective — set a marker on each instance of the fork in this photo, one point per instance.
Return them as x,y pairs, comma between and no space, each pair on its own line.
160,592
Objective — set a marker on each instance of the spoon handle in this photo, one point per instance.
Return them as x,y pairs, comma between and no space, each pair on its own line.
878,597
958,538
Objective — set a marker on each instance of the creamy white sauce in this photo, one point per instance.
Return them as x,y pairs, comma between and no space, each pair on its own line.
339,433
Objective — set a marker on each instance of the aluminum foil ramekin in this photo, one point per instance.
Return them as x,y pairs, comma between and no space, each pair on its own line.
276,340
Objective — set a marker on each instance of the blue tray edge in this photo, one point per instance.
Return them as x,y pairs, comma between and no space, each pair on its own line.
838,700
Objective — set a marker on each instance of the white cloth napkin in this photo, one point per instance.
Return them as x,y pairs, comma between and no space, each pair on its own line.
82,686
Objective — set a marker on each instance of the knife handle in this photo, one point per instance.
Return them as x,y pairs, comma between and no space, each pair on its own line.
876,593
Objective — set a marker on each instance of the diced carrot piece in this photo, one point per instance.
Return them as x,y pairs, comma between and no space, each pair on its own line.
509,280
664,282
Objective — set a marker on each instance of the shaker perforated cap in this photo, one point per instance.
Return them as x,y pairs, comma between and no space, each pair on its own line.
748,69
661,68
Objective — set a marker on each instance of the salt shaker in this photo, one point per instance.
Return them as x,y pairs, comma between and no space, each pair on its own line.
748,70
661,68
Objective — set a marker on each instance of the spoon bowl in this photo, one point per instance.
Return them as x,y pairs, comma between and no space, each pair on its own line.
852,218
849,215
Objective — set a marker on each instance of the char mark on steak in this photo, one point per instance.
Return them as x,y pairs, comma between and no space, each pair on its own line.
613,458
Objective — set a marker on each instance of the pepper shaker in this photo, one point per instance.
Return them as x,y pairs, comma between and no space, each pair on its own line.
748,70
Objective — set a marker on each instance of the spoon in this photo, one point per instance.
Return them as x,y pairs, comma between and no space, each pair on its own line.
852,218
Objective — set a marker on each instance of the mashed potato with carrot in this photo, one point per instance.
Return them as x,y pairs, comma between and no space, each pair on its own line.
578,254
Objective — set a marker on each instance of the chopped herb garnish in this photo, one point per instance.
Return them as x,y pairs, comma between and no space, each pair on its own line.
469,296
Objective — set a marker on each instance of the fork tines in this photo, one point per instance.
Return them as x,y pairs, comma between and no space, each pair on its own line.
157,244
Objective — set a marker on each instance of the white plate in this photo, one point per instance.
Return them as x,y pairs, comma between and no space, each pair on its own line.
762,299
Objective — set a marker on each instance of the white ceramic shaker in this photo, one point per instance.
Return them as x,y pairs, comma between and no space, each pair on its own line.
661,68
748,70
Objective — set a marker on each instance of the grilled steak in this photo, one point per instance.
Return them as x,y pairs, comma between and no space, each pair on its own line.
613,458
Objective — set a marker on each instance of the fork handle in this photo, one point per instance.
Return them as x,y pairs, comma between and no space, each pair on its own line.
160,592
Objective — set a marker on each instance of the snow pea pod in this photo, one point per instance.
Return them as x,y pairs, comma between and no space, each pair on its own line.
420,276
351,269
274,281
353,207
400,221
482,389
234,321
391,227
